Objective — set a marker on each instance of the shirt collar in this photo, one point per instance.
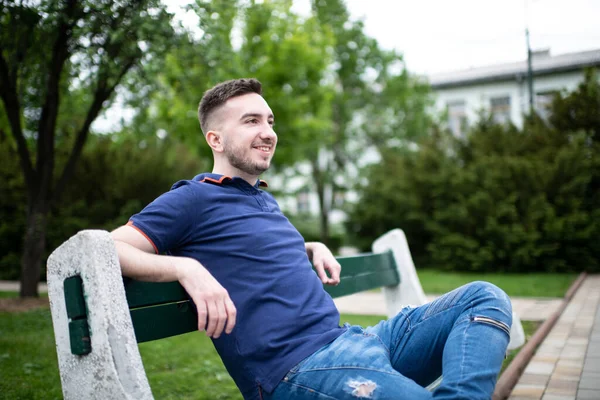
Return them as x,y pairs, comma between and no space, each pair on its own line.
220,179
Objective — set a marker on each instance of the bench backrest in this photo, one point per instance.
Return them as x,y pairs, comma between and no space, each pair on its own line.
160,310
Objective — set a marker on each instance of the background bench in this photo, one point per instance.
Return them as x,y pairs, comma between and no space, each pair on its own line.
99,317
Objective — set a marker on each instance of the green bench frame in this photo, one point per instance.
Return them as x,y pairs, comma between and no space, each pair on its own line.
161,310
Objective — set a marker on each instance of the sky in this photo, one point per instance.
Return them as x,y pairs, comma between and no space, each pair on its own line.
437,36
445,35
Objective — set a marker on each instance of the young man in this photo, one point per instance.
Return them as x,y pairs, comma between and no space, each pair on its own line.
248,271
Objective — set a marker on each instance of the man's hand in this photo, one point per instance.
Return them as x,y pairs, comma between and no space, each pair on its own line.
216,311
323,260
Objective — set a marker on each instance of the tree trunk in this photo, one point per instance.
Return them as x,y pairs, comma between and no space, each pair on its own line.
34,245
324,221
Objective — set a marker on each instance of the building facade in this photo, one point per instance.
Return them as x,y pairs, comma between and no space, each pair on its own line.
503,91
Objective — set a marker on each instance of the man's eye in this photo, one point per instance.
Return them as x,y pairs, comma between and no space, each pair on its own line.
272,123
252,121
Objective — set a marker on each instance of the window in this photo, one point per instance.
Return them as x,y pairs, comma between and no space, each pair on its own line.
500,108
457,117
543,101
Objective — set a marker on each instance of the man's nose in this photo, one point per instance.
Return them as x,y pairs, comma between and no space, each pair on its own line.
268,133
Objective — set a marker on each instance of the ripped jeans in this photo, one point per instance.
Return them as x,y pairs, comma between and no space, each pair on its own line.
463,334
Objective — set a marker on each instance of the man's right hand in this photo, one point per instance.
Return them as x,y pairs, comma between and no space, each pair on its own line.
216,311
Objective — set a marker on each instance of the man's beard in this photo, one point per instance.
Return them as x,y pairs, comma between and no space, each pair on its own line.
243,163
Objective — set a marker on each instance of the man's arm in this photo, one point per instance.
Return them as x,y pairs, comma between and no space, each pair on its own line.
216,311
323,260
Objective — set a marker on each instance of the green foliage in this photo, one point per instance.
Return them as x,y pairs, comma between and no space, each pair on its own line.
308,226
502,199
112,182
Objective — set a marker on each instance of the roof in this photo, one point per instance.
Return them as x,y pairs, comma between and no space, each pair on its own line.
542,64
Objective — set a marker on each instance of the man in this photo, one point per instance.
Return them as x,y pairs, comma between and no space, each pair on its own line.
248,271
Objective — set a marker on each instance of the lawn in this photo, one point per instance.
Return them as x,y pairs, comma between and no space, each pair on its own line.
181,367
526,285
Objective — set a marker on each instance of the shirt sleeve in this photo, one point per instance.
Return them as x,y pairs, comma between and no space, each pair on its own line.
168,221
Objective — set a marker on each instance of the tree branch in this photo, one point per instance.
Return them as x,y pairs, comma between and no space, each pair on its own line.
101,94
8,92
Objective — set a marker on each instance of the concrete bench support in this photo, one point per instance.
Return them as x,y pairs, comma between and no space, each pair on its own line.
114,359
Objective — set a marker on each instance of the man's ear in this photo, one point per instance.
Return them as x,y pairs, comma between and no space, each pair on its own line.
215,140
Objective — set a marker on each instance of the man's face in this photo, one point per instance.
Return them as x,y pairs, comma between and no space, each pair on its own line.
247,130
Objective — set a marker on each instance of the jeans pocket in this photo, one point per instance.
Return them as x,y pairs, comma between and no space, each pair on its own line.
490,321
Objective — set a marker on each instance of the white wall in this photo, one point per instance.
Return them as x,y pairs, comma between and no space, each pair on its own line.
478,96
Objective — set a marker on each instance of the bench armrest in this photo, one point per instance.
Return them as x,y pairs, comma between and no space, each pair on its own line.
113,368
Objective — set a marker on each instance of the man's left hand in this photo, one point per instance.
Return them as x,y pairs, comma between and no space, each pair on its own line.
323,260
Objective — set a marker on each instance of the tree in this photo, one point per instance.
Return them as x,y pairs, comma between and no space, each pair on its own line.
60,64
376,102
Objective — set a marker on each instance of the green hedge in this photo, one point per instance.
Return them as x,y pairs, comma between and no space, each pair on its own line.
501,199
112,181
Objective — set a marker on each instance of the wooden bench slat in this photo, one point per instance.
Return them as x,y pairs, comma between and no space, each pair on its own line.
74,299
166,320
360,263
160,310
162,321
364,281
143,294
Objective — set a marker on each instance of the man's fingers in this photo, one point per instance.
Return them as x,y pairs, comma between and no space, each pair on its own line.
212,317
320,271
231,315
221,318
335,271
202,314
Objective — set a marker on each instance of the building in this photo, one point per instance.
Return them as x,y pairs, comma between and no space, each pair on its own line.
502,89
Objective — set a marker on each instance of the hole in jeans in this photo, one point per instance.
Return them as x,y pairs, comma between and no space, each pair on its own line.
362,388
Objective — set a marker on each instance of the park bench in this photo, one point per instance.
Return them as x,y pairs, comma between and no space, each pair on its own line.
99,316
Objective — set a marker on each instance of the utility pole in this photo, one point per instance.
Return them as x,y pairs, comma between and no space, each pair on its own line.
529,59
529,72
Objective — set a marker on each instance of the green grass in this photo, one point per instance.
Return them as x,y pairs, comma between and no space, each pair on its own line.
28,363
529,327
526,285
181,367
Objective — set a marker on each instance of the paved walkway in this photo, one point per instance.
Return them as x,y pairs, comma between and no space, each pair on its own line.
372,303
12,286
566,366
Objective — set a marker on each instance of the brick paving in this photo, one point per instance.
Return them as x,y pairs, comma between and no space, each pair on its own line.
566,366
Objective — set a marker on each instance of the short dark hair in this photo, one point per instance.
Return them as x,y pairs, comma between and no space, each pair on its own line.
217,96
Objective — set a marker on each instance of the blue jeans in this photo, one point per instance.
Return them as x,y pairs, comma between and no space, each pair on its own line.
463,334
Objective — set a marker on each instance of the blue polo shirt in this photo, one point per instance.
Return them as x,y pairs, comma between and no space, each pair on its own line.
237,231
